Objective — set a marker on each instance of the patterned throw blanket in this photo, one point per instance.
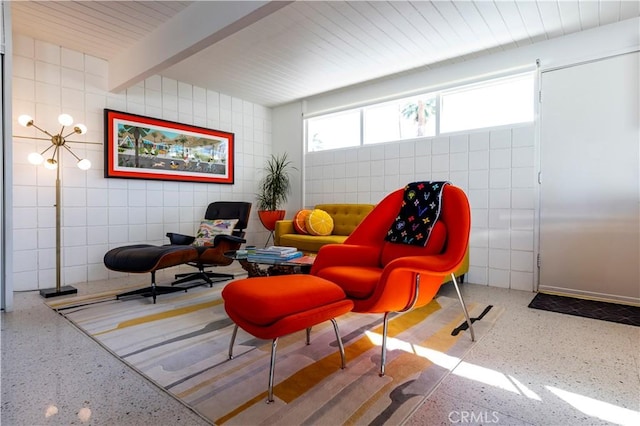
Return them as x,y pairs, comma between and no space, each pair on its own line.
419,212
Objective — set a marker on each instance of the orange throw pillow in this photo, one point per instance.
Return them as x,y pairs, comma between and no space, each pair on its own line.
319,222
299,221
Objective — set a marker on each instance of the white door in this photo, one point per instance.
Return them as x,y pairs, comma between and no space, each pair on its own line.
590,180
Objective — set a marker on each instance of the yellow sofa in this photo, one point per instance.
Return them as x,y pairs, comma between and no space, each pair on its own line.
346,217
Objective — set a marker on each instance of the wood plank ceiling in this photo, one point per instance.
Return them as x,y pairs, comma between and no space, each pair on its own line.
309,47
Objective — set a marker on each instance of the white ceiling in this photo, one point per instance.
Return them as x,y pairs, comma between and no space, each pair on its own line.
282,51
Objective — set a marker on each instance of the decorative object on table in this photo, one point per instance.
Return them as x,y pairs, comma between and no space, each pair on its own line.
304,260
263,266
59,142
274,254
276,250
139,147
383,277
273,258
274,190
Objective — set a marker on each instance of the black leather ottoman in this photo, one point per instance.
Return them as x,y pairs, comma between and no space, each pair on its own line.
142,258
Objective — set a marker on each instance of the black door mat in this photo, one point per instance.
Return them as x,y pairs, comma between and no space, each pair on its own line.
623,314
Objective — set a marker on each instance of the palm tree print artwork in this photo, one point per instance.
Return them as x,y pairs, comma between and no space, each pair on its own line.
149,148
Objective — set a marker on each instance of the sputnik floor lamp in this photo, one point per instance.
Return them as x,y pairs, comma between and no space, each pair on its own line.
58,142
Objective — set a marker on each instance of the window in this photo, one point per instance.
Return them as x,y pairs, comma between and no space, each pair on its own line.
340,130
400,119
492,103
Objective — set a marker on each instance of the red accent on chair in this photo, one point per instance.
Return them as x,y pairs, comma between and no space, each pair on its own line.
380,276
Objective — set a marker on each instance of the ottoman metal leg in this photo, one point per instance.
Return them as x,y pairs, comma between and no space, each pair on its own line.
233,340
274,345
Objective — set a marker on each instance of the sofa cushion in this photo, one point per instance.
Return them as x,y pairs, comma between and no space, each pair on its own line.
319,222
299,221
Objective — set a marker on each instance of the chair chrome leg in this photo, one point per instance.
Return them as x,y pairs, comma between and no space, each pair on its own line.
383,358
308,336
274,345
233,340
340,345
464,307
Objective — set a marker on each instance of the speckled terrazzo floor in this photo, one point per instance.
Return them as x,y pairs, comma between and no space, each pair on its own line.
533,368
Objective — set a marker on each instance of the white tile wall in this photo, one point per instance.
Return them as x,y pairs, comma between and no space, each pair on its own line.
494,167
99,213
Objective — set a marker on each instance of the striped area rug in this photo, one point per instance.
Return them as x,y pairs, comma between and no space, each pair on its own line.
181,344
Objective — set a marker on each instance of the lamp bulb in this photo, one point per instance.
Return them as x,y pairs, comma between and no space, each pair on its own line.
25,120
80,128
51,164
35,158
84,164
65,119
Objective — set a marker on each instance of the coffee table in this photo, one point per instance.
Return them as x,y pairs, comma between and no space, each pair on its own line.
277,267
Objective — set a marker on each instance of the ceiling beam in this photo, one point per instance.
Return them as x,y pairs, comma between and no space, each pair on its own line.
197,27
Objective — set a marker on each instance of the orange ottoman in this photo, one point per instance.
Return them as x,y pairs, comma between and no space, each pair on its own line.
270,307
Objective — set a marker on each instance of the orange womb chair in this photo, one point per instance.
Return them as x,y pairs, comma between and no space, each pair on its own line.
383,277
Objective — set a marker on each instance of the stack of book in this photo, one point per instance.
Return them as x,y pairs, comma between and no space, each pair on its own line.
274,254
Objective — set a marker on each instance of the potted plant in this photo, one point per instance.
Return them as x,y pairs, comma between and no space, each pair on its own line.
274,189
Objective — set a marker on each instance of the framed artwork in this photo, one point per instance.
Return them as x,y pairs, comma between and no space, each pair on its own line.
138,147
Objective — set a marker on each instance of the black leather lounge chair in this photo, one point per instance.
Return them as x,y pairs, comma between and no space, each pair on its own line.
212,255
142,258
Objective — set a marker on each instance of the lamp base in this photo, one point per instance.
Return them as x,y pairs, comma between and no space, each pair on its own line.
53,292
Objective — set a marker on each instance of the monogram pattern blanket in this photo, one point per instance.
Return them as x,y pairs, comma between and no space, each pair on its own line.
419,211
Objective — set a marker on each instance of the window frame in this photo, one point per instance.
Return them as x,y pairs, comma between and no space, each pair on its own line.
437,94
